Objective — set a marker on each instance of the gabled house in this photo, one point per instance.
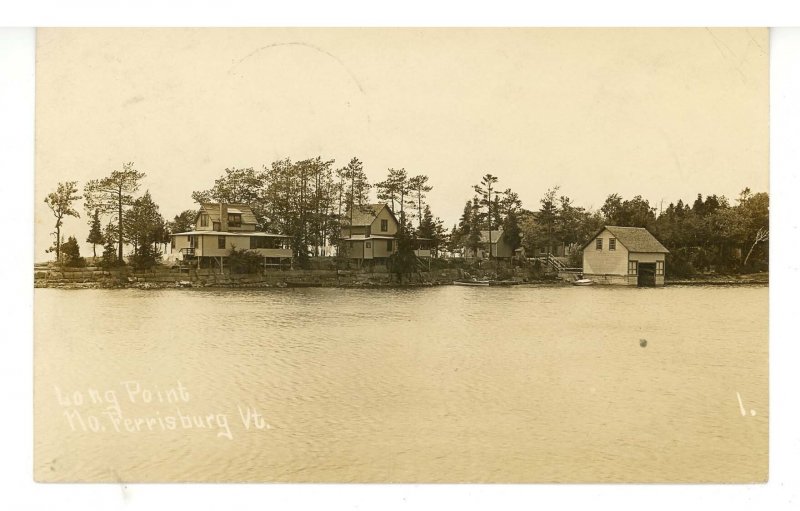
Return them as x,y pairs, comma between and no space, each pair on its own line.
494,241
624,255
222,227
369,232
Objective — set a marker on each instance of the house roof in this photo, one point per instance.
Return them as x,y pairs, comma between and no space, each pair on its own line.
254,234
363,237
496,235
212,209
635,239
365,214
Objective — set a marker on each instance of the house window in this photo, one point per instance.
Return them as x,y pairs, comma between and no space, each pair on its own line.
203,220
263,242
598,243
612,243
389,245
221,242
216,226
190,239
172,243
368,231
384,225
234,219
633,267
369,245
659,267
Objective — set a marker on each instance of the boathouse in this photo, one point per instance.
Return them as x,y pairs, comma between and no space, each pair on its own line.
219,228
628,256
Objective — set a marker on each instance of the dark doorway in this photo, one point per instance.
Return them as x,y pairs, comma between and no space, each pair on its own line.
647,275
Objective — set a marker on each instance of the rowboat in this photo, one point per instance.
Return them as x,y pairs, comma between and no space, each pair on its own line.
582,282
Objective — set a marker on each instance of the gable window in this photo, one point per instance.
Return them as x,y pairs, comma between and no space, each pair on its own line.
389,245
633,267
384,225
612,243
203,220
221,242
598,243
659,267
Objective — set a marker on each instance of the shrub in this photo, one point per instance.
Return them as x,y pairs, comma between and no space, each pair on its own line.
244,261
146,257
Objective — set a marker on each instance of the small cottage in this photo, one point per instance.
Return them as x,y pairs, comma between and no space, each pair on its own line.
628,256
369,232
495,241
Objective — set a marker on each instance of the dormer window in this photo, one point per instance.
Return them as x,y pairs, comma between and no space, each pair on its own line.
234,219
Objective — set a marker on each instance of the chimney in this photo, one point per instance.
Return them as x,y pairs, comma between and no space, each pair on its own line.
223,216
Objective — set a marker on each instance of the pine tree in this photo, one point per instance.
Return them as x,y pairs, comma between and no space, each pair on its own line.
95,233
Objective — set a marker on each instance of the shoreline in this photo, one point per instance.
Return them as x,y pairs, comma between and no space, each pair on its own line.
729,280
748,279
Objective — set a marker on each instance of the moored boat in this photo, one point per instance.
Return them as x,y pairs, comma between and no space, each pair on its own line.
582,282
473,282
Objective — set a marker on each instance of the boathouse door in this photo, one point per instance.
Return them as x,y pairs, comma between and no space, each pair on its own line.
647,275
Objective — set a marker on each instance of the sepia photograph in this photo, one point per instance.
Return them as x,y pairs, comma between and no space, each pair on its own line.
401,255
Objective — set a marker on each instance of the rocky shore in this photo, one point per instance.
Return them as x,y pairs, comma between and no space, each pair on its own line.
749,279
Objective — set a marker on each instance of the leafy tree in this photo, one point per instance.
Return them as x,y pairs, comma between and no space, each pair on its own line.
548,216
72,254
95,233
111,195
145,228
636,212
183,222
512,231
403,262
431,229
60,203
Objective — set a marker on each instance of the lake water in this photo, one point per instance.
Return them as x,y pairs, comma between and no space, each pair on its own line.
444,384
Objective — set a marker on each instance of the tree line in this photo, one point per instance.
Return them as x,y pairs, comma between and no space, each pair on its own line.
309,200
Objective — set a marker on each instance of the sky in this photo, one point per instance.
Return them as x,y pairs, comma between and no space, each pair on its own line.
662,113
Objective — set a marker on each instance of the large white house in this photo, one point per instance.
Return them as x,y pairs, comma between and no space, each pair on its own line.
624,255
222,227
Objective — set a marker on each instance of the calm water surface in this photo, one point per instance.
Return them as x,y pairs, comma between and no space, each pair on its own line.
437,385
